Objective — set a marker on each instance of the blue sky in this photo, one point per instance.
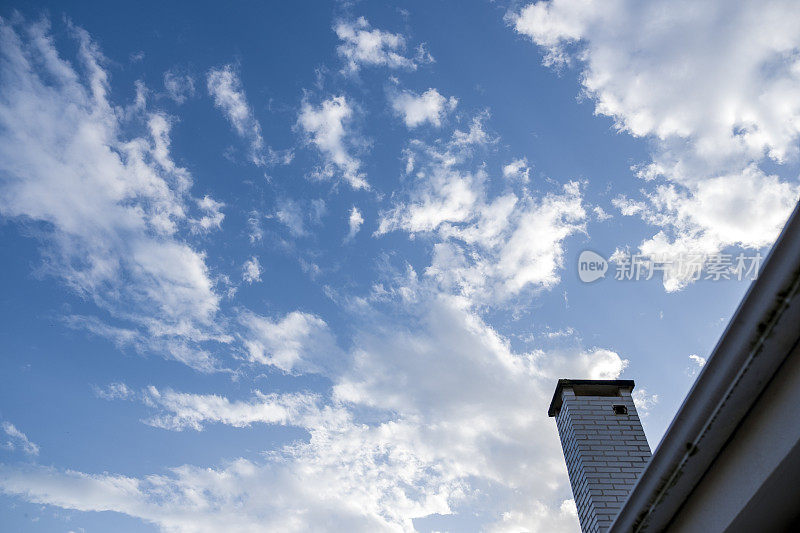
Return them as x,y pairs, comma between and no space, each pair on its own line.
313,266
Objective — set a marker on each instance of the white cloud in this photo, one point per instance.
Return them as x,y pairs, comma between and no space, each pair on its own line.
326,127
354,223
600,213
538,517
292,215
476,134
715,86
251,271
489,248
255,233
298,342
517,170
696,359
18,439
114,391
429,409
321,487
362,45
179,411
469,396
417,109
121,337
594,363
450,418
644,401
212,215
444,195
318,210
697,363
179,86
423,55
110,207
225,87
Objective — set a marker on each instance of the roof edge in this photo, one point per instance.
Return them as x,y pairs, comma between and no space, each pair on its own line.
755,343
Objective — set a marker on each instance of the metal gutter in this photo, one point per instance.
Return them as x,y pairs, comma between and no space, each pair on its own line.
761,334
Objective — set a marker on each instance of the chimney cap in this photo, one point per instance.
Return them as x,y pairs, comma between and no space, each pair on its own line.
588,387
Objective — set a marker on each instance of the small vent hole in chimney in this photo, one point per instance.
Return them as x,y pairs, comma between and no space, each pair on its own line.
620,410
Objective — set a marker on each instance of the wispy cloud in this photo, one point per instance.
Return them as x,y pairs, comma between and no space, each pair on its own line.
644,401
327,128
225,87
452,392
292,215
113,225
114,391
177,411
179,85
354,224
212,215
17,439
418,399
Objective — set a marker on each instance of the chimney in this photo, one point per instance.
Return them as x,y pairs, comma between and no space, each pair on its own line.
604,445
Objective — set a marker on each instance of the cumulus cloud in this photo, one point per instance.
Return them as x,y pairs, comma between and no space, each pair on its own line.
326,127
354,223
600,214
476,135
251,271
488,248
366,46
456,381
517,169
321,487
720,103
426,411
17,439
417,109
110,207
299,341
449,417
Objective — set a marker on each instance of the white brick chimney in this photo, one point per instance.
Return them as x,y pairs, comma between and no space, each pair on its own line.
604,445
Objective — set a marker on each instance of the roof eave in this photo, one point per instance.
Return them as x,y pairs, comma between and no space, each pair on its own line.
757,340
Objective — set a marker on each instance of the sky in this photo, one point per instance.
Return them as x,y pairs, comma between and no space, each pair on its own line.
311,266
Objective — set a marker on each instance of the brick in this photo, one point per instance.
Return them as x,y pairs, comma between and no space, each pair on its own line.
604,453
